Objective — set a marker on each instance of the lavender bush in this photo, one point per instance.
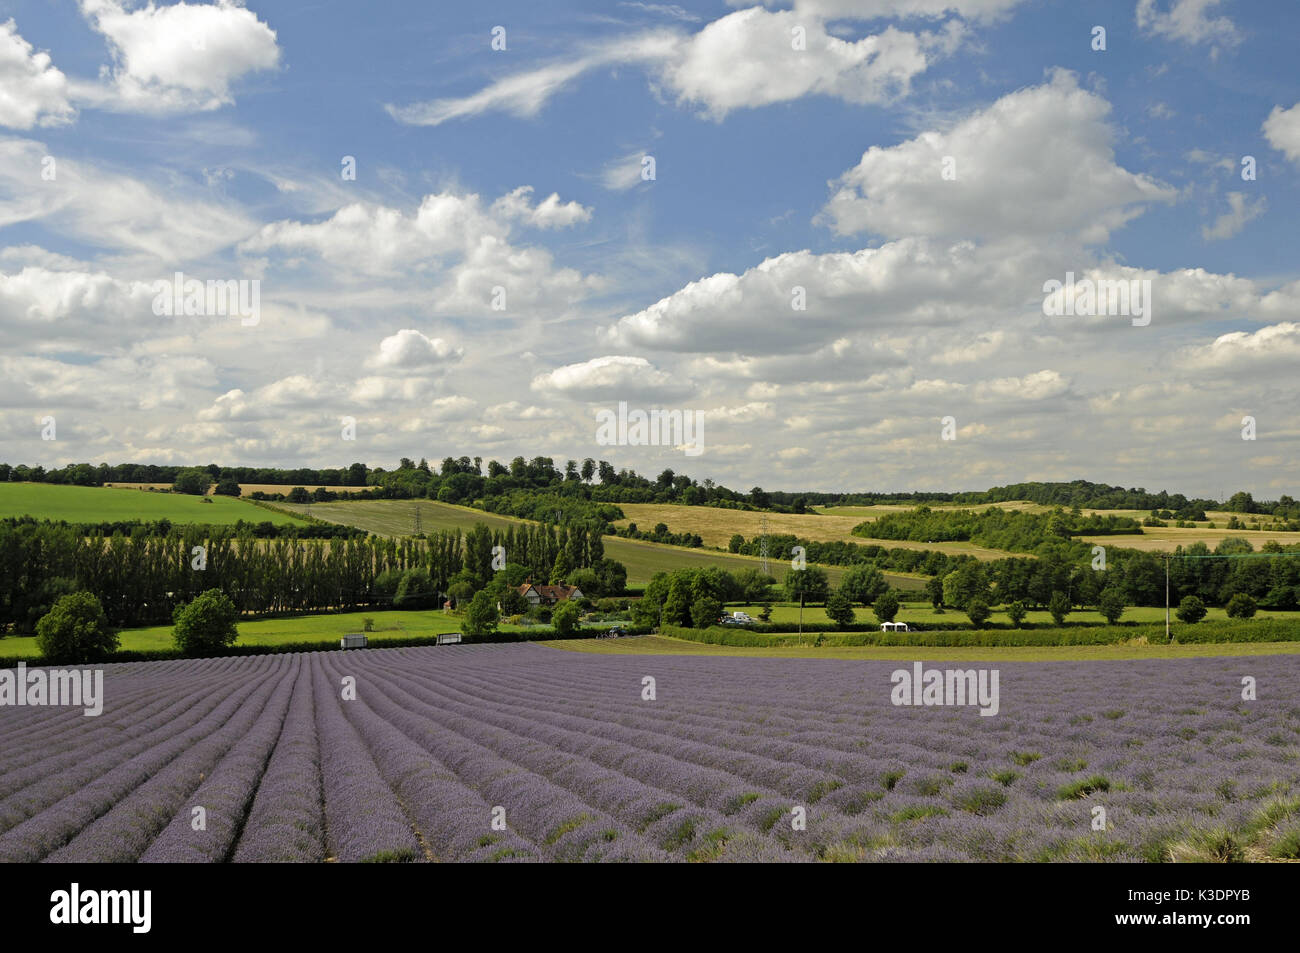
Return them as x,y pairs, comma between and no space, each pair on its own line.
509,753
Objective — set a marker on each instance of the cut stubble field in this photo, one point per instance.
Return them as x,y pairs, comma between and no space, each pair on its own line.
835,524
1167,539
716,525
522,753
880,509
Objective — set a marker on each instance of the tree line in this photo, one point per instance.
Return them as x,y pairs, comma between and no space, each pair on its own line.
1270,576
463,479
1009,530
141,577
930,562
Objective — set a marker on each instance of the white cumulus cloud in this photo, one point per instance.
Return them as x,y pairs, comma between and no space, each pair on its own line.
549,213
614,376
1282,129
177,56
32,91
409,349
1037,161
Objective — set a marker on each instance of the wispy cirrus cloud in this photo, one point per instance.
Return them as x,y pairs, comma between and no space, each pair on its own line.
744,60
895,9
1188,21
670,10
1240,211
524,94
169,221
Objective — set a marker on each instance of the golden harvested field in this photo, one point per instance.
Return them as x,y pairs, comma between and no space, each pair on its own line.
716,526
1165,539
248,489
1151,539
870,512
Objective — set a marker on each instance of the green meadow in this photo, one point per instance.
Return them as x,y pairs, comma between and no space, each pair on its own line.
97,504
389,624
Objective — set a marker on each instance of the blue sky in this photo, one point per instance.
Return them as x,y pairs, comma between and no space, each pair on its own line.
207,138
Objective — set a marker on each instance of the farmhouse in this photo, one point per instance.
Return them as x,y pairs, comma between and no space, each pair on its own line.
548,595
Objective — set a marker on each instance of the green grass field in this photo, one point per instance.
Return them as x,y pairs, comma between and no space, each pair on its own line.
929,618
95,504
659,645
397,517
389,624
398,624
642,559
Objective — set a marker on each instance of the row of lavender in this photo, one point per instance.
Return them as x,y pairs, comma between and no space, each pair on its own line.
520,752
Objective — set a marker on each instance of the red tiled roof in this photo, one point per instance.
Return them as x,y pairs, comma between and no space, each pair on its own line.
550,593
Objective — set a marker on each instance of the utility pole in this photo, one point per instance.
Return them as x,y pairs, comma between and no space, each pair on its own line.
801,612
1168,637
762,546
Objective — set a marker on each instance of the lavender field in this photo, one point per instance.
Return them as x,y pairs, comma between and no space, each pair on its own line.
525,753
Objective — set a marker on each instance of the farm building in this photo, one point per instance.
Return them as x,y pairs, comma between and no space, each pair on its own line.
548,595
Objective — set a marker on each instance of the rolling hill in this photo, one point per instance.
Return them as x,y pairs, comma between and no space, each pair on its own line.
96,504
642,559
